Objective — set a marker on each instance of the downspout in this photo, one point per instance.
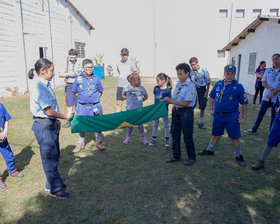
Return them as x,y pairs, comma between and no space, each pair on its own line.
50,29
24,47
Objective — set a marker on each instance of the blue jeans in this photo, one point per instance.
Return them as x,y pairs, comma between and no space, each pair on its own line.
264,106
182,120
8,155
49,150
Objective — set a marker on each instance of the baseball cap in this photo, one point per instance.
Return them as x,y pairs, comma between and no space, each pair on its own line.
230,68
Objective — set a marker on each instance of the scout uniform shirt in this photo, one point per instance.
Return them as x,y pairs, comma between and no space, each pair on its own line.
41,97
88,88
272,77
185,92
200,77
73,67
228,96
4,116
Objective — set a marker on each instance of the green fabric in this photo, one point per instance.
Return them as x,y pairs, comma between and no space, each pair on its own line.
118,120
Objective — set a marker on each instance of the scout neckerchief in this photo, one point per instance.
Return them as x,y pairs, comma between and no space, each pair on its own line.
89,84
195,78
50,88
274,75
222,91
178,91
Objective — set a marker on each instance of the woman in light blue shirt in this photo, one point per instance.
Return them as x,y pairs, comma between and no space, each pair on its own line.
46,127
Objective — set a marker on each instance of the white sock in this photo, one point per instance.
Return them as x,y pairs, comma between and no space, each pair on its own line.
81,139
201,120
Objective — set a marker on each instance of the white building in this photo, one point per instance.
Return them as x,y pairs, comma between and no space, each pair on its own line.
30,29
257,42
163,33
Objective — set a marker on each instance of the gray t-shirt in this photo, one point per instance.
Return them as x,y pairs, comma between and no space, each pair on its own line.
123,70
134,97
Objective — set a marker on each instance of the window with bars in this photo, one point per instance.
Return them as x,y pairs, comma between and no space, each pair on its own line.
80,47
252,63
274,12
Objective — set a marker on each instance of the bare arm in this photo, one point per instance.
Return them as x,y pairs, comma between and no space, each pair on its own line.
100,94
66,75
273,91
207,90
50,112
244,114
258,75
123,95
145,97
211,105
179,103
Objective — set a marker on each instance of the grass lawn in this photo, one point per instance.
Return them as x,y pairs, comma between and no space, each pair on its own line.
133,184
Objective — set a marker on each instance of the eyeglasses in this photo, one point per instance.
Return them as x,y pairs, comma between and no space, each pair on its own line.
88,68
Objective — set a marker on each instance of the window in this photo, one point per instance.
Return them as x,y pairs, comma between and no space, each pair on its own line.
223,13
43,52
274,12
220,53
80,47
233,61
252,63
240,13
257,12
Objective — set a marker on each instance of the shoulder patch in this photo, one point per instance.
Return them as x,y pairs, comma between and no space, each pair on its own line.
192,92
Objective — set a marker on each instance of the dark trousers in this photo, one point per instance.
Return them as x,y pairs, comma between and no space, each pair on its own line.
182,120
258,89
264,106
49,150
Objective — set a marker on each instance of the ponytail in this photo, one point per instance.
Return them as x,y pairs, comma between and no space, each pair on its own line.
166,78
31,73
41,63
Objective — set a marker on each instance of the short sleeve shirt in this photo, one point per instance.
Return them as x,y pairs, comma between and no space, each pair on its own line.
73,67
134,97
88,88
228,96
4,116
203,77
261,72
123,70
41,97
272,77
185,92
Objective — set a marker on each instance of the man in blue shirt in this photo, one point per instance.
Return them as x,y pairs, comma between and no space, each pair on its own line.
226,96
201,79
88,89
183,99
273,138
271,82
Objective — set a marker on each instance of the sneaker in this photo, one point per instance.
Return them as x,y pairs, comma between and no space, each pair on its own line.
250,131
48,190
172,160
201,126
258,165
240,160
206,152
189,162
79,147
152,142
167,143
15,173
2,184
67,125
144,140
127,140
100,146
60,194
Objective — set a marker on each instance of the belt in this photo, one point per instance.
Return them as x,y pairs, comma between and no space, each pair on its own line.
198,87
183,108
44,120
89,104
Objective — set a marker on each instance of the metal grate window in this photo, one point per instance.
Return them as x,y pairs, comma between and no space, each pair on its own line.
252,63
80,47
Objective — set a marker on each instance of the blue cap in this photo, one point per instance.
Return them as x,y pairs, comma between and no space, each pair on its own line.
230,68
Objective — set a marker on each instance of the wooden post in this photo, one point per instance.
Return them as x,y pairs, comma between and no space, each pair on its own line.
65,87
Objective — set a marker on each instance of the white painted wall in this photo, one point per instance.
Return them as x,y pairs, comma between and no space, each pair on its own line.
264,42
52,24
182,29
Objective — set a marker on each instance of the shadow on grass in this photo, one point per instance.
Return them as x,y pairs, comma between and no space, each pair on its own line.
133,184
22,159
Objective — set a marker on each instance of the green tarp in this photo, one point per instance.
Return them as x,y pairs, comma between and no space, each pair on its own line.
118,120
